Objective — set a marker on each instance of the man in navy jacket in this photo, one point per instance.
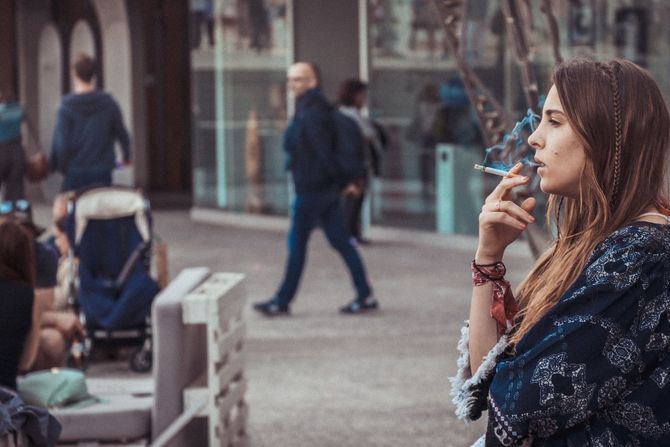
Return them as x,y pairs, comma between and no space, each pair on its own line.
310,144
89,122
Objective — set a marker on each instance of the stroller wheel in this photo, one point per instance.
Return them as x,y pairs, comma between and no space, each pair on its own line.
141,360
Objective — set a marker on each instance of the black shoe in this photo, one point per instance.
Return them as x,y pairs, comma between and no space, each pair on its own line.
358,306
271,308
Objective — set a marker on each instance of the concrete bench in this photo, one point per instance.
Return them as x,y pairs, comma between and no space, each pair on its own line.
198,372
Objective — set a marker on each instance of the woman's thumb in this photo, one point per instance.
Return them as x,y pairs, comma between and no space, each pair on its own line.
529,204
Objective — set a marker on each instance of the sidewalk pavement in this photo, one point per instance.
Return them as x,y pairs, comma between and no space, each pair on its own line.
318,378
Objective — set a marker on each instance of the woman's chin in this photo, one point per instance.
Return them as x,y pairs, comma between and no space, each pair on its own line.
545,188
557,191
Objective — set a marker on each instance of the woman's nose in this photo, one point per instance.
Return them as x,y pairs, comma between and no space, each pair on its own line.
534,140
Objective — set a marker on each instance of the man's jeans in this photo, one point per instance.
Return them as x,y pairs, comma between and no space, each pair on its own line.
310,210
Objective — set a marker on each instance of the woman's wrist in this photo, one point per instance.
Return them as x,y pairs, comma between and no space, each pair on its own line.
482,257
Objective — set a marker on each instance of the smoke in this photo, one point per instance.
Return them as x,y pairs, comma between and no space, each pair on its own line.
515,147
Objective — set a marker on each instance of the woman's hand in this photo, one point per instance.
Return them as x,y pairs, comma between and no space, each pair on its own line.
501,220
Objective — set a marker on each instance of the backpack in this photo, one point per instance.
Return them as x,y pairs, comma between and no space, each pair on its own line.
11,116
349,146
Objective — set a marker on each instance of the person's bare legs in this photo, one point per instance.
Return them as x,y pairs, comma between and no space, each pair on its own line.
51,350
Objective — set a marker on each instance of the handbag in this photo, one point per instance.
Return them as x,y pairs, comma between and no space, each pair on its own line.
37,167
56,387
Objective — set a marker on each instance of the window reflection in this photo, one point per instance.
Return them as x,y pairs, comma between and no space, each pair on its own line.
238,59
240,51
416,95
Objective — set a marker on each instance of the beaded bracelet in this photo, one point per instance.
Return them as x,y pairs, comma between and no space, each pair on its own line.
503,304
483,273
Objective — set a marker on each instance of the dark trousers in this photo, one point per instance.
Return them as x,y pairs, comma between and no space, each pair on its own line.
352,206
76,179
310,211
12,168
196,20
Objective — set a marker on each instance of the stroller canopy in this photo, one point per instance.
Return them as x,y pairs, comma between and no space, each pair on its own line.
111,203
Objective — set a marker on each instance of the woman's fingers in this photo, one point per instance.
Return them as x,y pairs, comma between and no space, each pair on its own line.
529,204
510,208
516,168
508,183
486,218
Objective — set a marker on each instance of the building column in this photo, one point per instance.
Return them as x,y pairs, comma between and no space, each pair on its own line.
327,33
7,47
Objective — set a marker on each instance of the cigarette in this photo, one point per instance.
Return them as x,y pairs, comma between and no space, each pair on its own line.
494,171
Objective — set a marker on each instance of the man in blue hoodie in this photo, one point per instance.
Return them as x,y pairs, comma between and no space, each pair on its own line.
89,122
310,144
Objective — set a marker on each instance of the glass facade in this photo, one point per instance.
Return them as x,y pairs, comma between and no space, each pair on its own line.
241,49
239,54
416,95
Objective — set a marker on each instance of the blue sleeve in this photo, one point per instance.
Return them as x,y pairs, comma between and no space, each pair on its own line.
59,143
589,353
121,133
46,260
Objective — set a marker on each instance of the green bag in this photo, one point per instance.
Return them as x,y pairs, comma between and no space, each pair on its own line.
55,388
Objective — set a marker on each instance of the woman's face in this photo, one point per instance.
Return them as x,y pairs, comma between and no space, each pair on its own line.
360,99
558,150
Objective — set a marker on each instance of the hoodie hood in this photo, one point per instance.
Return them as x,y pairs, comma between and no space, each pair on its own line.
87,103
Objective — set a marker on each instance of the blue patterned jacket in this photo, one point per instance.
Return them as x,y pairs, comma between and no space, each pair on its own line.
595,370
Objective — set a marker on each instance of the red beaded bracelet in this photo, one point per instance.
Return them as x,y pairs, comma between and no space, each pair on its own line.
483,273
503,305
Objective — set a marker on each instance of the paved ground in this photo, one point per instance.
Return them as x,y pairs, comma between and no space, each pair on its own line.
322,379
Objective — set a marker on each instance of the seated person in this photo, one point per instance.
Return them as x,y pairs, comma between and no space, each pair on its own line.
66,265
16,288
55,328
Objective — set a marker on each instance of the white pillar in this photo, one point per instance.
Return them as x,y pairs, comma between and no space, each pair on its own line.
81,40
117,66
50,79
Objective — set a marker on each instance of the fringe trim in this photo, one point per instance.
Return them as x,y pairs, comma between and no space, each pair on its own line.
481,442
463,383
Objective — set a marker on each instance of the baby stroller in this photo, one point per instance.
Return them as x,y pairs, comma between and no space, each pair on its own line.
109,229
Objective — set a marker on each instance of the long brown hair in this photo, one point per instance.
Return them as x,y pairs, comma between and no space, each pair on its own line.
618,112
16,253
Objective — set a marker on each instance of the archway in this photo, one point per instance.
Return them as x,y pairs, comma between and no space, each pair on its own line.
117,63
82,39
49,75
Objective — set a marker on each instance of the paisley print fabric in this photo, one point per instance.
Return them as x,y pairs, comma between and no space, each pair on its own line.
595,370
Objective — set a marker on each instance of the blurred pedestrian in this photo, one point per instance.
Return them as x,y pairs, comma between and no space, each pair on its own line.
17,279
201,13
309,142
259,23
584,360
51,330
12,158
352,99
421,132
88,124
455,122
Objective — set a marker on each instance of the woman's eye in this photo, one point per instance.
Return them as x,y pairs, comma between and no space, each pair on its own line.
554,123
